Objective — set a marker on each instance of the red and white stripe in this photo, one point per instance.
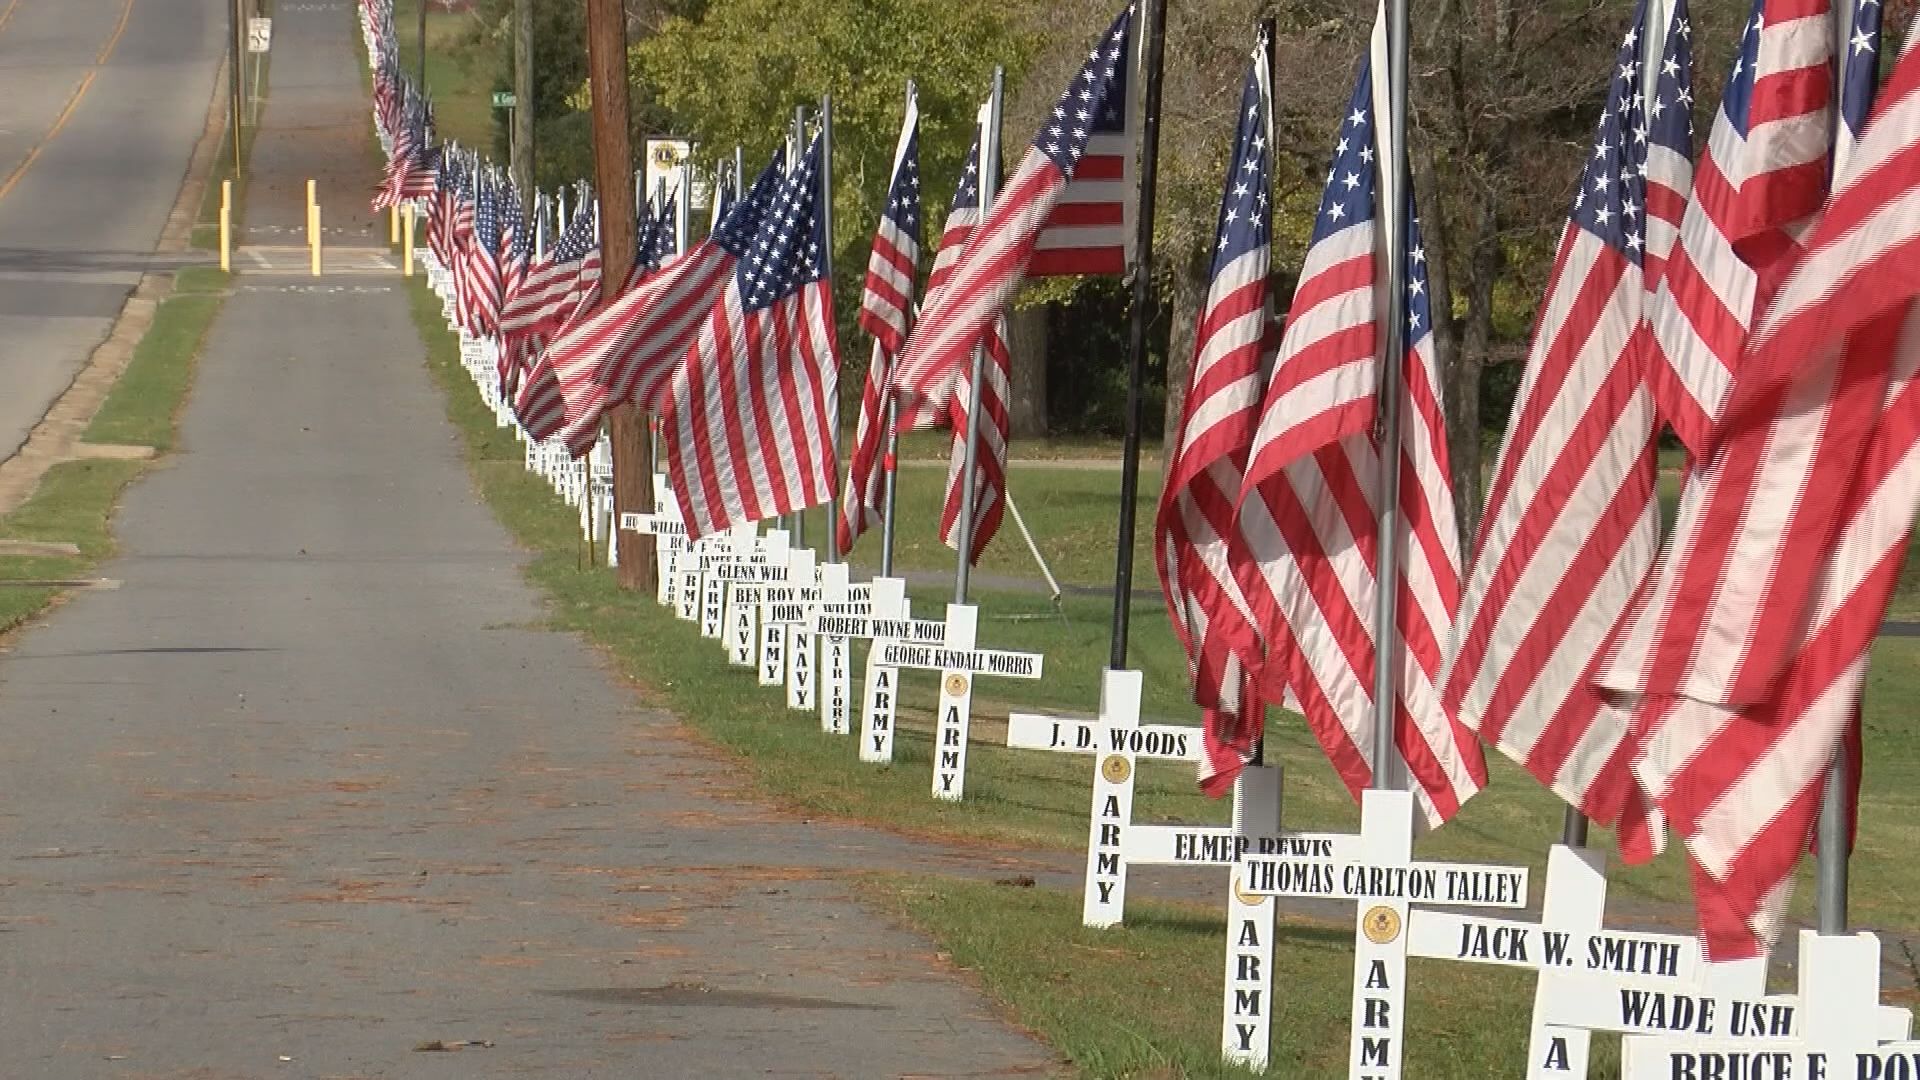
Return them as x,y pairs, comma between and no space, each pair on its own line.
1090,230
990,451
1756,677
1750,196
748,430
629,349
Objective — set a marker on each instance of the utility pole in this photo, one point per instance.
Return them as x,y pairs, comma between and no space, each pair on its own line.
523,98
613,166
237,72
423,46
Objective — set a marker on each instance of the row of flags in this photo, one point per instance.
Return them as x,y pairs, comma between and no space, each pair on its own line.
1758,306
1706,685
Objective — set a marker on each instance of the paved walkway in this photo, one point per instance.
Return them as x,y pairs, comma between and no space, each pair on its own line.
307,793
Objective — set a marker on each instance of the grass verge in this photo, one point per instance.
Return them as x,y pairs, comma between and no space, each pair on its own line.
75,501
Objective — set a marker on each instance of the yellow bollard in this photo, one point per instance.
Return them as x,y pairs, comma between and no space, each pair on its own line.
226,226
313,228
406,245
311,200
393,224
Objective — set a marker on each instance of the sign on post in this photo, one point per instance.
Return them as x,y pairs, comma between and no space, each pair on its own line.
259,34
504,99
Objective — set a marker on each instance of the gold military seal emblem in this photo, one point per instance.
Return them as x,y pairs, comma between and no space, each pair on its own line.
1116,769
956,684
1381,925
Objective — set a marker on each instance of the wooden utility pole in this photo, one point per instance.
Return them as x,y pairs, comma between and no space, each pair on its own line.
613,174
523,99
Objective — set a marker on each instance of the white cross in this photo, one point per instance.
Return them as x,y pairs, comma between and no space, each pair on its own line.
782,607
669,533
744,578
959,664
1576,957
1834,1029
883,612
1380,874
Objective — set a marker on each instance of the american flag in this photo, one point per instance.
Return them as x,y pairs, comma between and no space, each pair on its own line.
1669,144
1764,173
885,307
551,287
956,319
1307,517
412,169
630,349
1751,660
749,432
953,400
484,276
1572,526
1198,574
1091,229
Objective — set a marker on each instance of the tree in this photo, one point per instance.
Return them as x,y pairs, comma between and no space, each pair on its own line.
733,77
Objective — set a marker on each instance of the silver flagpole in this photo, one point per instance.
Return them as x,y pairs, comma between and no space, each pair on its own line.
1393,217
989,181
1830,865
797,522
826,271
891,408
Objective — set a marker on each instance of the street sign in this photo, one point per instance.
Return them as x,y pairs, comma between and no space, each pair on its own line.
259,34
503,99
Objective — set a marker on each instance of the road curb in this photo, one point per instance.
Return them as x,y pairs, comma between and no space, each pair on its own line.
57,437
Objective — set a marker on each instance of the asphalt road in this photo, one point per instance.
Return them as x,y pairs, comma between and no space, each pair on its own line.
101,102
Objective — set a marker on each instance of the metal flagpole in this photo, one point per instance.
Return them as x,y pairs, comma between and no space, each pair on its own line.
1393,216
423,46
989,183
1830,864
797,522
890,489
1154,25
826,271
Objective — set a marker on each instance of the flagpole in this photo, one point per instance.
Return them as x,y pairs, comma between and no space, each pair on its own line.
798,521
1386,594
1155,28
1830,862
989,182
826,270
891,463
891,466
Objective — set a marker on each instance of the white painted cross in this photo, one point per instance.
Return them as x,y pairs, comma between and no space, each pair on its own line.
782,607
1575,955
740,542
669,532
1834,1029
803,652
836,595
742,577
875,610
959,664
1382,877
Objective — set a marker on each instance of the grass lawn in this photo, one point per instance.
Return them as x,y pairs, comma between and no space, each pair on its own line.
1143,1000
76,499
459,77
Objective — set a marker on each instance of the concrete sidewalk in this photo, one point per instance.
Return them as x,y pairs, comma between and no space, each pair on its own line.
307,795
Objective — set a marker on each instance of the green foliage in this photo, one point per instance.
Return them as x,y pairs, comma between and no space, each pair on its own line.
725,80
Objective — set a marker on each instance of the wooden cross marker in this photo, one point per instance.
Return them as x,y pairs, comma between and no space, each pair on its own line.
670,536
959,664
1834,1029
874,610
1381,876
740,542
836,595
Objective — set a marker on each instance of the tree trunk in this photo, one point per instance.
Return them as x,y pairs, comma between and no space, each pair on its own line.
1027,342
1188,265
1484,263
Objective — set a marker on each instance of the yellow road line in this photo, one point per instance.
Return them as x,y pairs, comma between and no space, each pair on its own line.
99,60
107,49
26,163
